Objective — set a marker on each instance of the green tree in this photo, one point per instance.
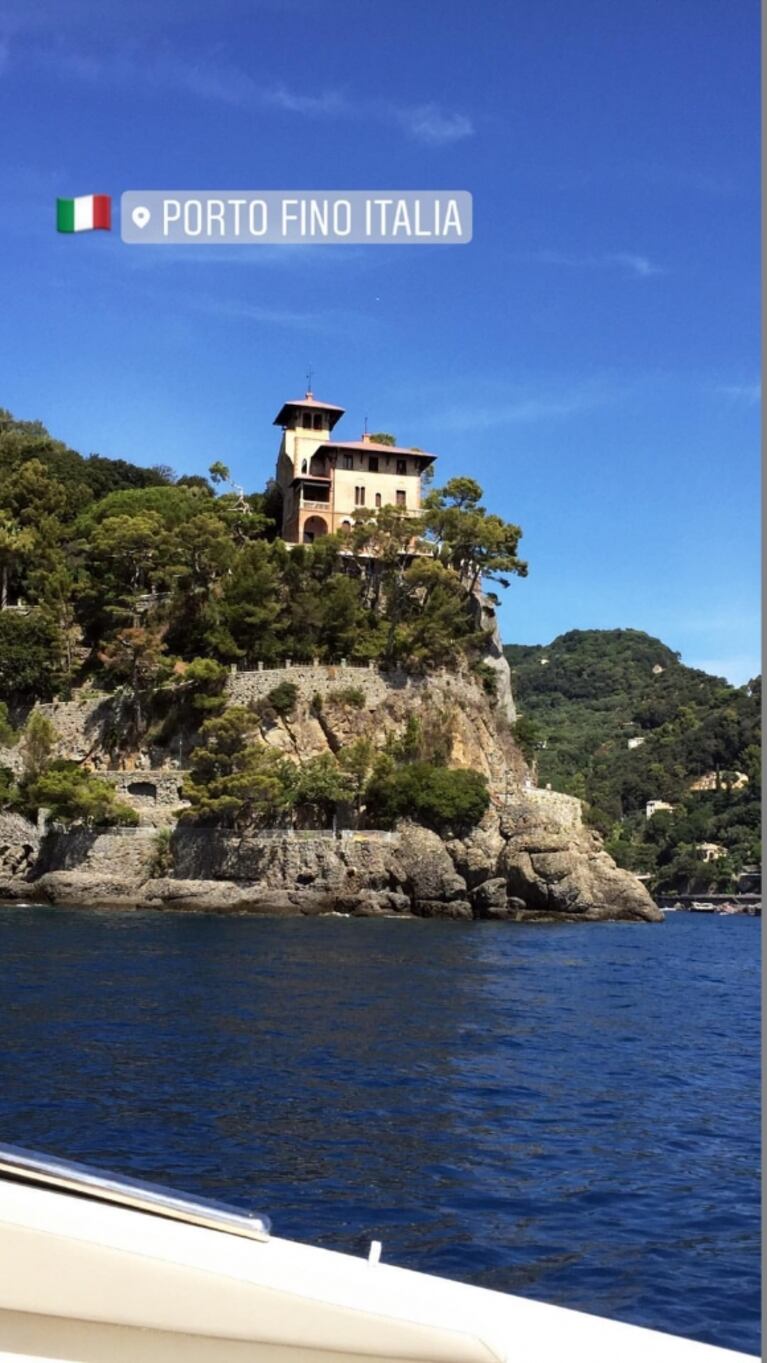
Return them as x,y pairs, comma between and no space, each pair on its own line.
30,648
39,738
445,799
383,438
323,784
357,761
15,542
73,795
468,538
137,657
235,780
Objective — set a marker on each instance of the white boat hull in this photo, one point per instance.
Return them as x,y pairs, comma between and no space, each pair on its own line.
86,1282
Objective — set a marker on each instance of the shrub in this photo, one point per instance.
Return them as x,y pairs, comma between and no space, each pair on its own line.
282,698
488,676
352,696
162,852
442,798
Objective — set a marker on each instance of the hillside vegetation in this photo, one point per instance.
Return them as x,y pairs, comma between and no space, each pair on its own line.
148,585
588,693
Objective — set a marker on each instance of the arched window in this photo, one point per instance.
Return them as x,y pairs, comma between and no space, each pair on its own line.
378,499
304,466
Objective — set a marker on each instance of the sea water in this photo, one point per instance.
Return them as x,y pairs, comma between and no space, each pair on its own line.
565,1112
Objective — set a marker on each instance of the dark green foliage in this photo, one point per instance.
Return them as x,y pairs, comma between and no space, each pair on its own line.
8,734
588,693
235,780
72,795
282,698
527,734
442,798
29,656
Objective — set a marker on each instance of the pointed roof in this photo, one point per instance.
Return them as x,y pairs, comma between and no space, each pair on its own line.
283,417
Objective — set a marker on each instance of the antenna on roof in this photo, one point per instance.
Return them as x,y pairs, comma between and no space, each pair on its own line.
309,376
366,425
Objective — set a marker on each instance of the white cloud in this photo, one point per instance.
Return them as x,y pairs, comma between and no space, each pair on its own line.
216,83
427,123
630,261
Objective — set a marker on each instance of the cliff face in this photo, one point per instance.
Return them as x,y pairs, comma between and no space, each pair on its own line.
531,856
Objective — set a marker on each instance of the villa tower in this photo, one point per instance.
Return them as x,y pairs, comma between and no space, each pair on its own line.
323,481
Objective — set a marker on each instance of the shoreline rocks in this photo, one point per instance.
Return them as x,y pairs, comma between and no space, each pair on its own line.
533,862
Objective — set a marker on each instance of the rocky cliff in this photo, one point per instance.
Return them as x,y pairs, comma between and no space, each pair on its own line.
530,858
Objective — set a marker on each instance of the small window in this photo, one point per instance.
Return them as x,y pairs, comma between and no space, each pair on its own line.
303,466
348,461
401,499
359,496
402,466
318,421
373,463
378,499
307,421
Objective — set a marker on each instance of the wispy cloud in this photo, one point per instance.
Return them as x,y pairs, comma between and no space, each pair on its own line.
428,124
747,394
255,312
629,261
523,408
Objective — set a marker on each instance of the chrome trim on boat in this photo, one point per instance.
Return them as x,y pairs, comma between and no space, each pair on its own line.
32,1167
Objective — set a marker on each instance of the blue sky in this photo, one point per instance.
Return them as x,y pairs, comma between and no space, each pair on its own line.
591,358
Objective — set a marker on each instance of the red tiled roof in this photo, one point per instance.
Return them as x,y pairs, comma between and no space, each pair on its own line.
375,447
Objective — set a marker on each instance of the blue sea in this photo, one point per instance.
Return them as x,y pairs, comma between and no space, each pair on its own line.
568,1112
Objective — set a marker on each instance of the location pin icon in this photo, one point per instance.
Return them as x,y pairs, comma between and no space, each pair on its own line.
141,216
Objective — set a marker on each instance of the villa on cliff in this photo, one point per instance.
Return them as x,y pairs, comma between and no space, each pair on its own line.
324,481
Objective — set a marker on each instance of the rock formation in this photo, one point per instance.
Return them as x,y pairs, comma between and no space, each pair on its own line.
530,858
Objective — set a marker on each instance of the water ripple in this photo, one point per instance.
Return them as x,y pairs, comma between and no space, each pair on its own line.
567,1112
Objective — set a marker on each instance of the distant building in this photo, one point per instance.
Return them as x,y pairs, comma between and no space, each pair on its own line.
711,851
635,742
658,669
324,481
750,880
708,781
656,806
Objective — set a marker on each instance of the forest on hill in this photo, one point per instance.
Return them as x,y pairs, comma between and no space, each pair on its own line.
616,718
138,582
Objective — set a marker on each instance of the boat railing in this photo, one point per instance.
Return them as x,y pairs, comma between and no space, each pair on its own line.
33,1168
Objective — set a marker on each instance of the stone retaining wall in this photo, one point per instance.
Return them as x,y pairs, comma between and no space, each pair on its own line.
322,679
